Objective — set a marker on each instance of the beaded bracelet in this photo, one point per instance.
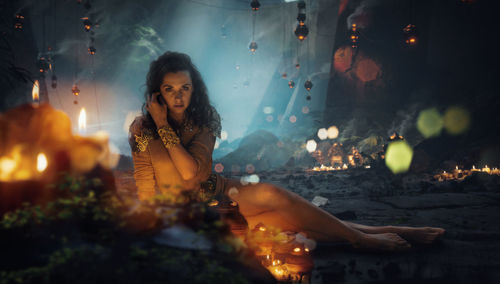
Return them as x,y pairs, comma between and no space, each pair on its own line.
168,136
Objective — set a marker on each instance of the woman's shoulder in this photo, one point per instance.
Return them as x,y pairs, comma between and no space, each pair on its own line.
140,134
139,125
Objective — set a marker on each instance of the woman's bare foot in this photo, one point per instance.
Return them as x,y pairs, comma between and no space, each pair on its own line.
421,235
382,242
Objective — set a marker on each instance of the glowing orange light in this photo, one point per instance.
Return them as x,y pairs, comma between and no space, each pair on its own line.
262,229
41,162
82,120
296,250
213,203
35,91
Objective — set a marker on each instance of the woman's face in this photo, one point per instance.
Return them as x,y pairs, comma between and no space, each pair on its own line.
177,89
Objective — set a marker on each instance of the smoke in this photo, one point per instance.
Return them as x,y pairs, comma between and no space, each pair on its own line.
404,120
359,15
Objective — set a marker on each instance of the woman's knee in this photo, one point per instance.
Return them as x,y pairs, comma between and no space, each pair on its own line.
271,196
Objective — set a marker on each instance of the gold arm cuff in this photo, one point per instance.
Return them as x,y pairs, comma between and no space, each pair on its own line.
168,136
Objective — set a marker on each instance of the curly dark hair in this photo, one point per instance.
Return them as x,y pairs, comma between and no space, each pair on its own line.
199,112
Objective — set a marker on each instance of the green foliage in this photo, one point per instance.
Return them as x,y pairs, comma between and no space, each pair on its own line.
91,235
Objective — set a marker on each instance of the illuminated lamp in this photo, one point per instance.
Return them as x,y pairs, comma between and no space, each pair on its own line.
253,46
19,20
301,18
410,34
308,85
354,36
75,90
301,32
54,81
291,84
43,65
92,50
255,5
87,24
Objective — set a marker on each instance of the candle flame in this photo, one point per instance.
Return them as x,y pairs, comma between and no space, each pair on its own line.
213,203
41,162
262,229
296,249
82,120
35,91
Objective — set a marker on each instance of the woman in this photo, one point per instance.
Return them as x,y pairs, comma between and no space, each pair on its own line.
172,146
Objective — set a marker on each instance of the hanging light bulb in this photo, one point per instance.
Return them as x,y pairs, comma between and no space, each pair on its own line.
255,5
291,84
354,36
308,85
54,81
75,90
411,34
92,50
42,64
253,46
18,22
301,18
301,32
301,5
87,24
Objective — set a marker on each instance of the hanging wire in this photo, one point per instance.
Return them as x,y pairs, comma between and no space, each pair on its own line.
54,40
308,16
95,92
254,19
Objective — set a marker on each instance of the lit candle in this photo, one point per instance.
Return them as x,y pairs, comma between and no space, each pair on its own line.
35,94
82,121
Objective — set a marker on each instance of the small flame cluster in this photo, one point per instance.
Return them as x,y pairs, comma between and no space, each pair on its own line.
354,37
411,34
337,158
461,174
285,254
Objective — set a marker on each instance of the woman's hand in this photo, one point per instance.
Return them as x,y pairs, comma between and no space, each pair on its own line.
158,111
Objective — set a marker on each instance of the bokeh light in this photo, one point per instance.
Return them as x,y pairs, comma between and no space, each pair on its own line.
322,133
311,145
269,118
223,135
305,109
398,156
367,70
456,120
429,122
293,119
268,110
333,132
250,179
219,168
250,168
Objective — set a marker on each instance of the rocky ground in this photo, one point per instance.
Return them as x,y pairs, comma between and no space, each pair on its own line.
469,211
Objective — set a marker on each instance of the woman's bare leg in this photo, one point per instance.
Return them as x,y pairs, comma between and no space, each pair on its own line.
424,235
278,207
